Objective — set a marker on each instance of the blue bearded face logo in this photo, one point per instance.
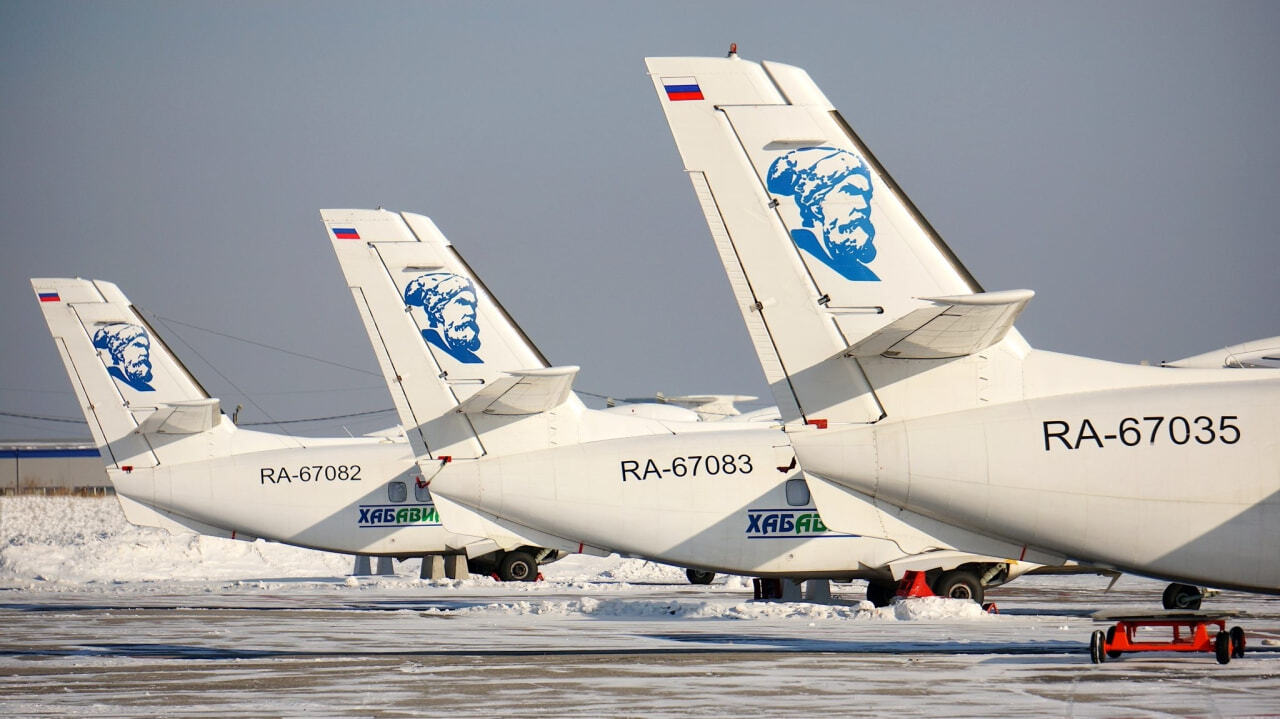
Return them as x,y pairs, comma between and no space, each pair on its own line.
449,302
832,189
128,346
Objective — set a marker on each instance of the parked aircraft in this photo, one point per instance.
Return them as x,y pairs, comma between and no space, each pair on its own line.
705,407
177,462
502,440
901,381
1258,353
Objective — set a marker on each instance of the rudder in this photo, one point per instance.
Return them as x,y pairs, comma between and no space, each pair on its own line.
130,385
822,248
443,341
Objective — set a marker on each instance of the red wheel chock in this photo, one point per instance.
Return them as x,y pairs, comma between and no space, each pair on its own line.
496,578
913,584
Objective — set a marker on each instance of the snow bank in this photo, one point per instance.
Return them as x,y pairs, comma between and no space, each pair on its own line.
86,540
81,540
930,608
65,542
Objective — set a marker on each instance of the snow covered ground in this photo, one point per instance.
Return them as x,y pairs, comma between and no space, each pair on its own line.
101,618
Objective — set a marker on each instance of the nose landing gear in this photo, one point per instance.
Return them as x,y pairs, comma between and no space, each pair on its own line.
1182,597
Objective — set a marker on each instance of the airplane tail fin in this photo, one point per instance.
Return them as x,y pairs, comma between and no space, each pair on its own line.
458,366
833,267
138,398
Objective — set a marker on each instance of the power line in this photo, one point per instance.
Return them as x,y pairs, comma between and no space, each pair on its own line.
46,418
265,345
213,367
42,418
321,419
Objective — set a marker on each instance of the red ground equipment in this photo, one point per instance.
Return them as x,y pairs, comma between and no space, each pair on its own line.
1190,634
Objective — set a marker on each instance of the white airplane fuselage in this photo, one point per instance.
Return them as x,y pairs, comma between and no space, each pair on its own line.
1167,472
178,463
328,494
510,453
900,378
715,500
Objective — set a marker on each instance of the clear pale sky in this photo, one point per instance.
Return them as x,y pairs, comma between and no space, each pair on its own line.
1120,159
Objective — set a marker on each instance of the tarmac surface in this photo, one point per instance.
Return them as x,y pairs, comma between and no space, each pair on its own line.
373,647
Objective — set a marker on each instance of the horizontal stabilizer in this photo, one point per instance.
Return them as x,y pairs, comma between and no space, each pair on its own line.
523,392
187,417
954,326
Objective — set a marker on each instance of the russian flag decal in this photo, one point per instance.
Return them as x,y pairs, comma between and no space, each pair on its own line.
48,296
682,88
346,233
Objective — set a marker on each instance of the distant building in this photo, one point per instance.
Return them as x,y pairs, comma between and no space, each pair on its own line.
52,467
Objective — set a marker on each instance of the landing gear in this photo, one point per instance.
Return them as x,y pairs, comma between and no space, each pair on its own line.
1182,596
959,584
881,593
518,567
698,576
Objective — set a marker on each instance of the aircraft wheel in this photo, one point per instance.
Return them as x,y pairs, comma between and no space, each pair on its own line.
1182,596
1096,652
1222,648
881,594
698,576
959,584
1237,642
1111,636
518,567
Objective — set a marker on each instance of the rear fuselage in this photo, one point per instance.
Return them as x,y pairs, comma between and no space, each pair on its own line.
728,500
1176,475
350,496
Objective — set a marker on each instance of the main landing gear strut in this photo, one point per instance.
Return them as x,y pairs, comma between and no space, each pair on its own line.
956,584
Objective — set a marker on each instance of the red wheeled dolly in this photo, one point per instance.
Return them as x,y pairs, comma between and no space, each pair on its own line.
1190,634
